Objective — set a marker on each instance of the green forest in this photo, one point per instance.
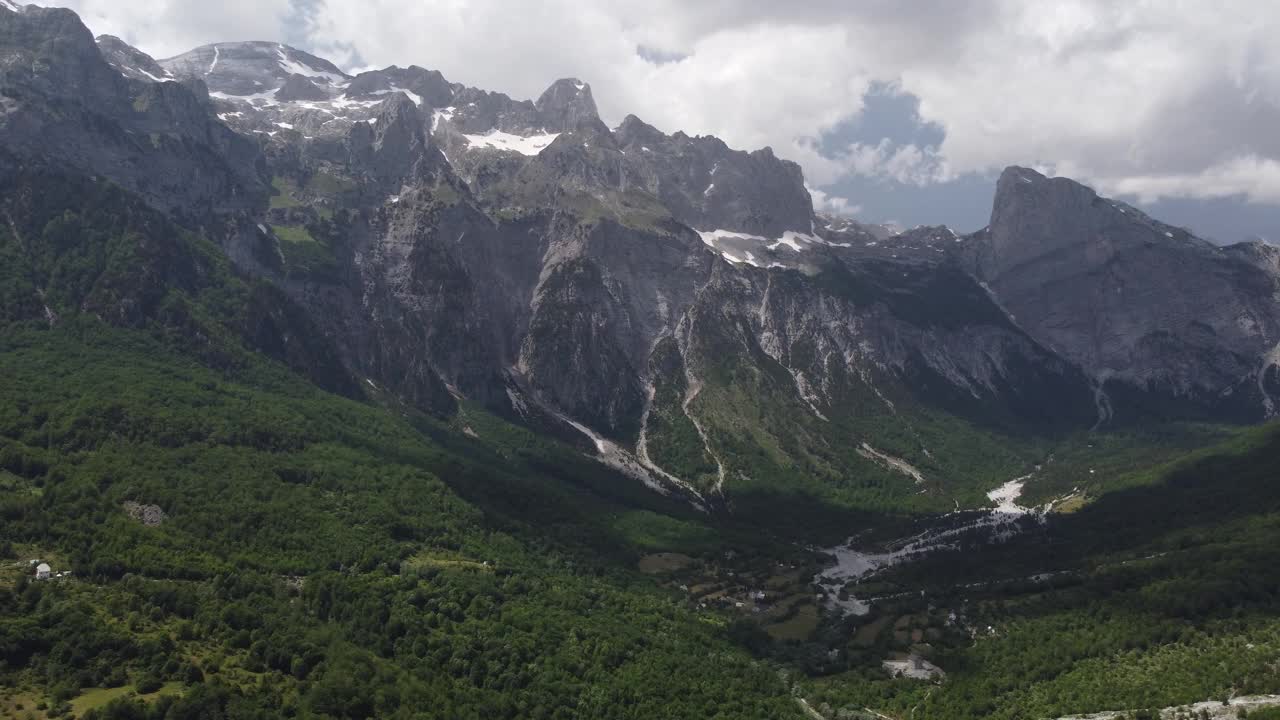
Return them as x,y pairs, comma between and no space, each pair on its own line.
313,560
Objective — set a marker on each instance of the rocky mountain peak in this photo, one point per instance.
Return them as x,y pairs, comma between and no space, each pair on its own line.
251,68
1126,297
68,108
566,104
1023,195
1034,216
634,131
399,109
50,52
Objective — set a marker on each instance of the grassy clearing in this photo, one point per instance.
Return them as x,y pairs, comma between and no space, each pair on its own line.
20,704
97,697
284,198
293,234
303,253
430,559
659,563
798,627
1072,504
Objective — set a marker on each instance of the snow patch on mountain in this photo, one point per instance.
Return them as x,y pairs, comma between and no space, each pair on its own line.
415,97
256,99
793,239
293,67
168,77
746,248
710,237
525,145
342,103
440,116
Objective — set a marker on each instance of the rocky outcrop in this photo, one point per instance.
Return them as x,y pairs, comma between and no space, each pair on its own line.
300,87
130,61
65,106
566,105
149,515
1131,300
709,186
429,85
388,149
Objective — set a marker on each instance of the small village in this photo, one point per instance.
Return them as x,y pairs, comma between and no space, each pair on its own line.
777,595
780,597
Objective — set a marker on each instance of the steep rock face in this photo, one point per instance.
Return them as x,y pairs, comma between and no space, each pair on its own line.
1130,299
926,332
708,186
606,294
64,105
478,112
450,287
49,52
776,379
390,147
566,105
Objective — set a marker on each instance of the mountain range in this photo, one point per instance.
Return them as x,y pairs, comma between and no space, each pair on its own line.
665,304
663,297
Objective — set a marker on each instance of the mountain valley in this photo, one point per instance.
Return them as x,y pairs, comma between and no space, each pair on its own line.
336,395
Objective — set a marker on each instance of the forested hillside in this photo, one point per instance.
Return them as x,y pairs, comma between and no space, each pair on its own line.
313,554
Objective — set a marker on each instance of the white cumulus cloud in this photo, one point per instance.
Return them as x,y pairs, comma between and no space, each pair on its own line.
164,28
1147,97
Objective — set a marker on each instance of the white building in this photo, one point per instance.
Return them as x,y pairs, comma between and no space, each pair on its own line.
42,571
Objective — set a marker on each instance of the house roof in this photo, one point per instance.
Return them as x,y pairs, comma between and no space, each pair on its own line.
43,567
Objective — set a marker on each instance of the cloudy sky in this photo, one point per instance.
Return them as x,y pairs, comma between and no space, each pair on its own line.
898,111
